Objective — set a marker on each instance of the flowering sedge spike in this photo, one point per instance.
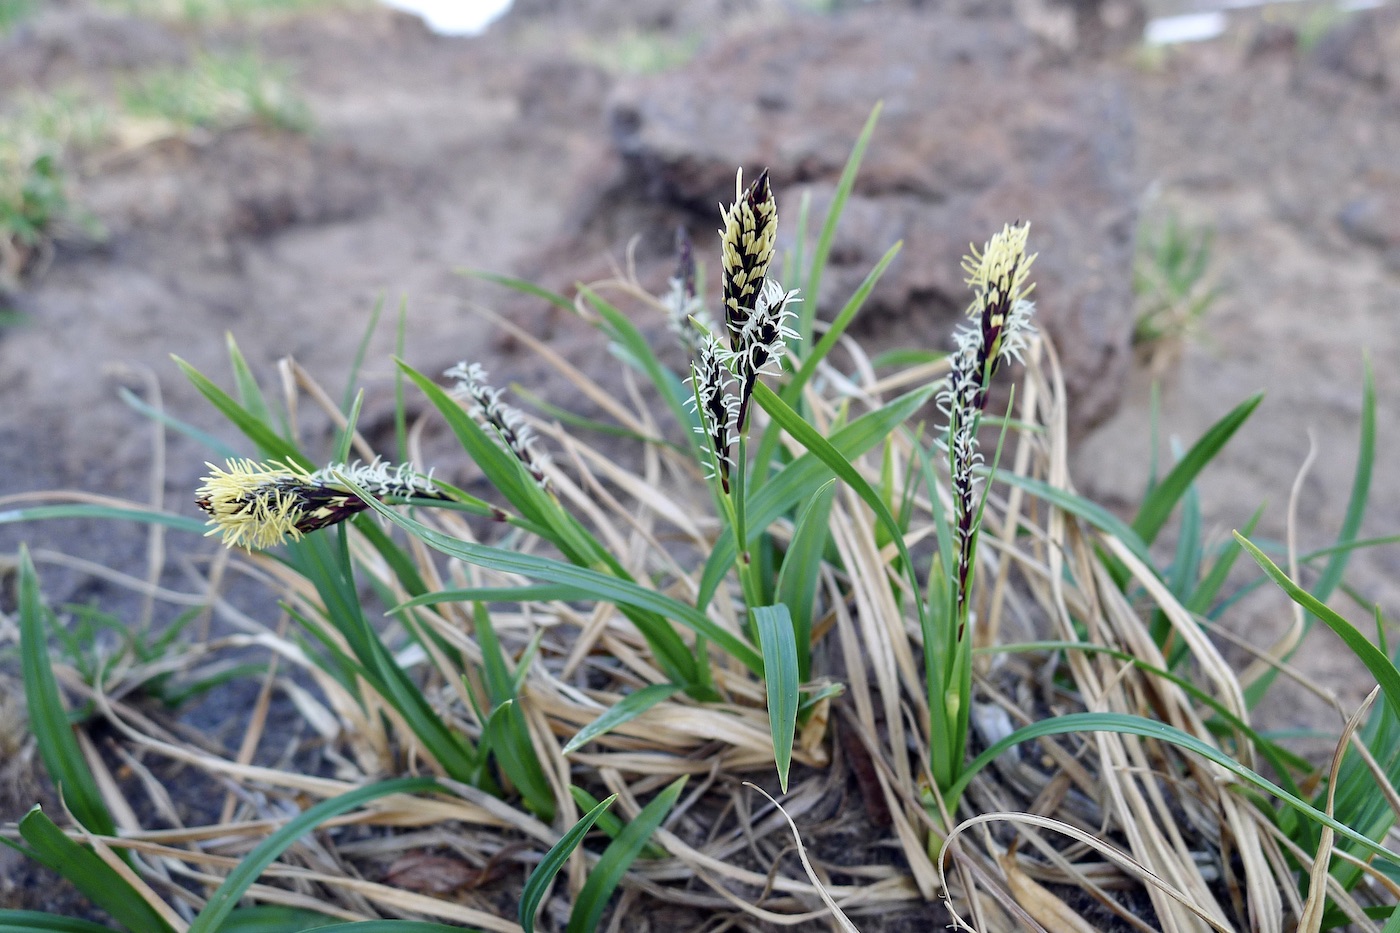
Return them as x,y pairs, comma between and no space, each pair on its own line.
764,340
381,480
257,506
684,309
999,309
508,422
1000,329
711,378
747,242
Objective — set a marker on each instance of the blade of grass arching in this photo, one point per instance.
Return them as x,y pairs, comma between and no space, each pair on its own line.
801,478
590,585
31,921
358,361
509,476
182,427
522,286
272,445
97,880
48,719
779,645
537,885
1375,660
502,469
807,314
531,593
801,571
1158,505
222,902
618,857
250,395
1306,560
1283,761
1152,729
625,710
621,329
509,738
145,516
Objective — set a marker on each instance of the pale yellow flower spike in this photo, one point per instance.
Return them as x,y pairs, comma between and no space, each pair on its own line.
998,274
253,505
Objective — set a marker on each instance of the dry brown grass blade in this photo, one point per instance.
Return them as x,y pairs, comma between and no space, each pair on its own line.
1121,859
827,899
1048,910
1311,919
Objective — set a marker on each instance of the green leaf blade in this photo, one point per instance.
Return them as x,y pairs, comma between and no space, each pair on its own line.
222,902
618,857
537,886
779,646
627,709
98,881
48,718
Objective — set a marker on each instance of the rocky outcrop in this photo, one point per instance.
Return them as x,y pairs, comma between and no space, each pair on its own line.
977,130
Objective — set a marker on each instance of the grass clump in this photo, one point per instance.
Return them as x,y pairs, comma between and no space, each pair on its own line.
38,137
1173,284
593,650
219,92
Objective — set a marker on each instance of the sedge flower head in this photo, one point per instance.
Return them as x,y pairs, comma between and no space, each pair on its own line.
260,505
747,243
486,405
764,339
254,505
712,378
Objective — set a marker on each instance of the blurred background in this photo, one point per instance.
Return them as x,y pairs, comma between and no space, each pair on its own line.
1214,192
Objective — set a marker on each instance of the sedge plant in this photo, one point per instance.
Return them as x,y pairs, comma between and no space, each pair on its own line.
562,651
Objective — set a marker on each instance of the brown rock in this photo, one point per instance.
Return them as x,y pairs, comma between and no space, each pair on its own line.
976,131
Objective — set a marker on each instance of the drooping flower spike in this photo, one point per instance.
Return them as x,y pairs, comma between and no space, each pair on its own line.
686,316
711,376
259,505
509,424
764,340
